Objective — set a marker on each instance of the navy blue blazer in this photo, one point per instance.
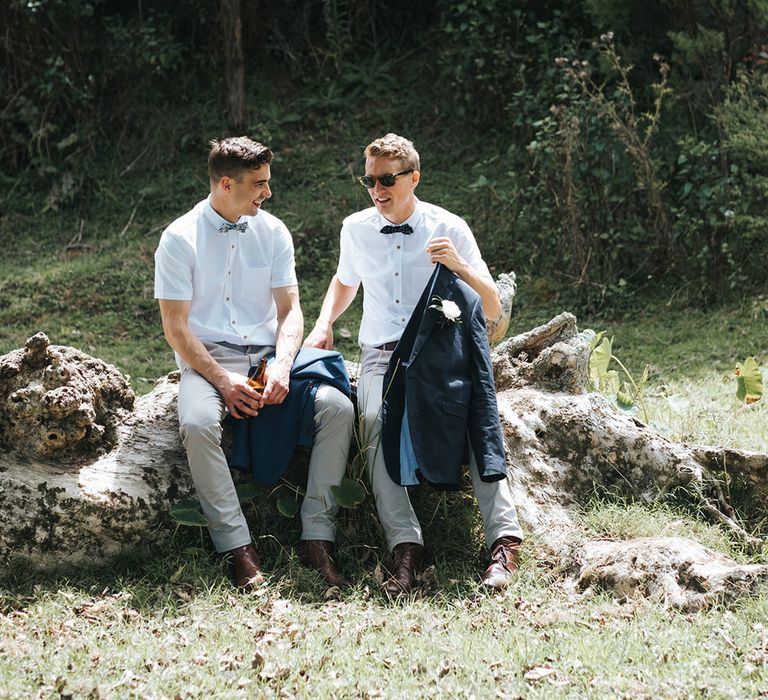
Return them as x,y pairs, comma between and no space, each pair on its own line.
265,444
440,380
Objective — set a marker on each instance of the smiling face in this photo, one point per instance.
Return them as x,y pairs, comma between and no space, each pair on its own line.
243,195
395,203
250,189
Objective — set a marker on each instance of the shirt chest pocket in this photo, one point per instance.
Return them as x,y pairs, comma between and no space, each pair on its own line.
419,278
254,283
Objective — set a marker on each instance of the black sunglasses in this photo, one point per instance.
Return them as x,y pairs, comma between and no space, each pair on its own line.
369,181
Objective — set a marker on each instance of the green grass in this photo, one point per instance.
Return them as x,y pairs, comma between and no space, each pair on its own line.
168,624
692,355
171,627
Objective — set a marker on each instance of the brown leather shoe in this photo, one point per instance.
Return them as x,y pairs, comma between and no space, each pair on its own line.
246,567
407,561
317,555
505,554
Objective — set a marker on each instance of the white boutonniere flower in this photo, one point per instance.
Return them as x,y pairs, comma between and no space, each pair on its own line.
449,310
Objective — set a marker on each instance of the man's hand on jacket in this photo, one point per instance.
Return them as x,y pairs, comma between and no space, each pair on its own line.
240,399
278,376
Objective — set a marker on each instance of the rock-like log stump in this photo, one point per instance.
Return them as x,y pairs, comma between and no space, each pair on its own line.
85,469
111,475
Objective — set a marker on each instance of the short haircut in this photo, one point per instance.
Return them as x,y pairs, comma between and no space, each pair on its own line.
395,147
234,155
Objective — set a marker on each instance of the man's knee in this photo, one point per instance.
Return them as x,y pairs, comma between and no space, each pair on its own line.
332,402
199,429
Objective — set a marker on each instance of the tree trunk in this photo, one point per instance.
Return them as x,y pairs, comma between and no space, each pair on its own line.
563,444
234,64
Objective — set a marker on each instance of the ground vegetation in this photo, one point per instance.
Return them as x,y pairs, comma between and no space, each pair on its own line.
611,153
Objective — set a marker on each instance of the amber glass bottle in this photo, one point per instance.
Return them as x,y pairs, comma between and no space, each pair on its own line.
256,375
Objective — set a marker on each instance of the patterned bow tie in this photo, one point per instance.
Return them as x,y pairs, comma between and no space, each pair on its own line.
226,228
401,228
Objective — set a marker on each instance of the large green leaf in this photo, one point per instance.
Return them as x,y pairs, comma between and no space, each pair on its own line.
246,492
287,507
189,504
611,382
625,399
599,359
191,517
749,381
348,493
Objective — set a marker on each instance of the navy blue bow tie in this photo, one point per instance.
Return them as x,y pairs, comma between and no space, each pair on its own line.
400,228
226,228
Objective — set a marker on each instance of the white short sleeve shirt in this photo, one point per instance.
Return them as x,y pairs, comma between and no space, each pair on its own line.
394,268
228,277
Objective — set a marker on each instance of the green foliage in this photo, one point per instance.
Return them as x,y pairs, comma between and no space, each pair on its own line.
703,206
188,513
500,58
749,381
246,491
65,89
288,507
575,172
628,395
703,41
743,120
350,493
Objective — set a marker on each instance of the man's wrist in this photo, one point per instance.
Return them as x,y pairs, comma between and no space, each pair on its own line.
286,359
220,379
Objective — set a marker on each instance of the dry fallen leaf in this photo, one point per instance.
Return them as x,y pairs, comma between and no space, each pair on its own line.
333,593
257,660
227,662
428,577
537,673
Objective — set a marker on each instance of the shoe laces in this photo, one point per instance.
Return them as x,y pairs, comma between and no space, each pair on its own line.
499,554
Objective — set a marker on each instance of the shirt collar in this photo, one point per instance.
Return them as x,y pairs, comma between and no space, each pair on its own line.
412,220
213,217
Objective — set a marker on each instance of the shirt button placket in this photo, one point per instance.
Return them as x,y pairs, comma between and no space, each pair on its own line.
228,279
397,279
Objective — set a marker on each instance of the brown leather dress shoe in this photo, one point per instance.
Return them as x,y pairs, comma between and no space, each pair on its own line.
505,554
317,555
407,561
246,566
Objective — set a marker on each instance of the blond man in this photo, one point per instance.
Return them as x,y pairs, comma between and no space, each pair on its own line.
391,249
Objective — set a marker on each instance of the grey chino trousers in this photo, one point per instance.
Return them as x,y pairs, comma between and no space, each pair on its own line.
396,513
201,412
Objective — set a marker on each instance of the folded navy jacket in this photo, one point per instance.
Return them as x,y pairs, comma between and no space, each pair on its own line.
265,444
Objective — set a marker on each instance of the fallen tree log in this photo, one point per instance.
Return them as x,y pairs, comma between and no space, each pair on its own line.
108,488
566,444
73,491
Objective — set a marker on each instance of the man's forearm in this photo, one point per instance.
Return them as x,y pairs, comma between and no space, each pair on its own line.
290,331
337,300
488,292
193,352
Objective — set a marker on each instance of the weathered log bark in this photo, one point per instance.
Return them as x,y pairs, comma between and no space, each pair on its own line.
564,444
68,506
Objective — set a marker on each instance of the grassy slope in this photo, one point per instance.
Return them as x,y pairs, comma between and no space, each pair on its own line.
169,624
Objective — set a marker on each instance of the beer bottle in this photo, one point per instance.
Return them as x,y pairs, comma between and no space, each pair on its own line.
256,375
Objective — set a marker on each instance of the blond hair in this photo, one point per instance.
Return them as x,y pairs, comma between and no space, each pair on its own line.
395,147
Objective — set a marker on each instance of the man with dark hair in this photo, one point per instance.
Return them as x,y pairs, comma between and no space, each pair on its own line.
226,283
392,248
